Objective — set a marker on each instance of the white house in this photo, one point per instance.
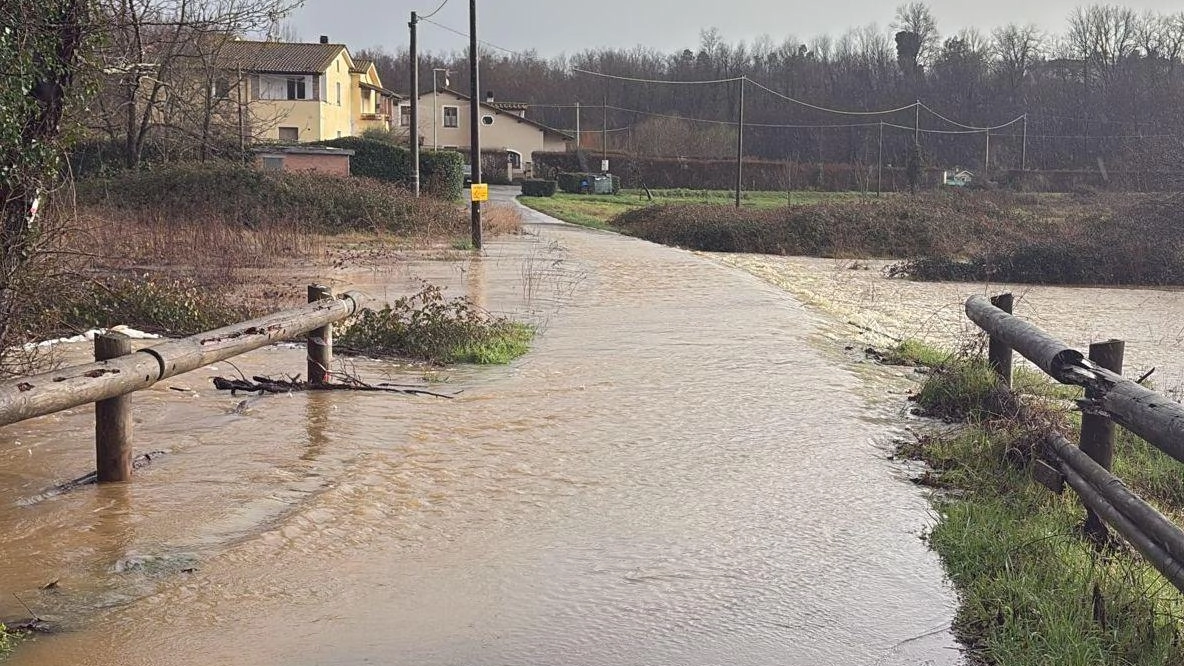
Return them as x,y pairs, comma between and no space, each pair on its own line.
444,124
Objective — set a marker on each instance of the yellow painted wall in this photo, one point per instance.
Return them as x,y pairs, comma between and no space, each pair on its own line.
337,119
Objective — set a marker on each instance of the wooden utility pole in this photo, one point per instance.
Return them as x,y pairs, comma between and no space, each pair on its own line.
740,144
413,132
474,123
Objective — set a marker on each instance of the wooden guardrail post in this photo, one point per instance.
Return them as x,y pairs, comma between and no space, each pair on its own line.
998,352
113,418
1098,432
320,341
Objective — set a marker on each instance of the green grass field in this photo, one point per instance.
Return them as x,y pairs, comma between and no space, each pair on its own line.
595,210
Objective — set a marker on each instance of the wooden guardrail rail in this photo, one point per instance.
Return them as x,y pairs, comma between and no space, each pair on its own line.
118,371
1109,398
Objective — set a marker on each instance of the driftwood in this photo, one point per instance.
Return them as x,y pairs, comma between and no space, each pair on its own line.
263,385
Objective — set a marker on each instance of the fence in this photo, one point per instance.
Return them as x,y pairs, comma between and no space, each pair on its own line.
118,371
1109,399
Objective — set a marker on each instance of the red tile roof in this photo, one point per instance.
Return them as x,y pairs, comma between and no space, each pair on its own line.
280,57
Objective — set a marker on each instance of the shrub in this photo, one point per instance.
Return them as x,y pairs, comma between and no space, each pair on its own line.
494,167
242,195
428,327
897,227
538,188
570,181
168,306
440,172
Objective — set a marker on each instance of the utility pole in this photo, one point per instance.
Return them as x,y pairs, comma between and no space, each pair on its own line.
577,130
604,135
740,144
474,122
987,156
880,163
1024,150
413,132
917,122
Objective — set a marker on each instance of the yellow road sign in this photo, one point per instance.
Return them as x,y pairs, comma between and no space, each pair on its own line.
480,192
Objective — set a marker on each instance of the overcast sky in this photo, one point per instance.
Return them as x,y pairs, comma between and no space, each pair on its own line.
551,27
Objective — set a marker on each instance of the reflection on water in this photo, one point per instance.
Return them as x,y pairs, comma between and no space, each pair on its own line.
673,475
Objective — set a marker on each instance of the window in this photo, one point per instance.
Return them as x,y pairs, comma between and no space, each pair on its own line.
339,93
405,115
273,163
221,87
290,134
296,88
515,158
452,116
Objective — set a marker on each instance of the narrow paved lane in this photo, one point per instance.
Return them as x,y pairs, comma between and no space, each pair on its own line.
672,476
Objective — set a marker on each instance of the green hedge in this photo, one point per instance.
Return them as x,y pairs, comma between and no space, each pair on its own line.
538,188
440,172
194,192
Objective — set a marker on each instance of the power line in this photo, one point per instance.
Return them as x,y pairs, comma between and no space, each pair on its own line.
733,123
434,11
827,110
466,36
658,81
972,127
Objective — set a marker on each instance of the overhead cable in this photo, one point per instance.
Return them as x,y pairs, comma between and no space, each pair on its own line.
466,35
827,110
434,11
658,81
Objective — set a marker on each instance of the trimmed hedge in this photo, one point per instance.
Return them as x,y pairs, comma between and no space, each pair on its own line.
538,188
440,172
700,174
193,192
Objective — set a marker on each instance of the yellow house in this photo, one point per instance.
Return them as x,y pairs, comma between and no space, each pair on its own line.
444,124
301,92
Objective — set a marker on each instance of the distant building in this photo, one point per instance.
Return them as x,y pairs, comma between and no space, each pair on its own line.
318,159
300,92
444,124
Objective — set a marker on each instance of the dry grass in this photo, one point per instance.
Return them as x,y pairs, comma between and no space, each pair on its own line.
501,219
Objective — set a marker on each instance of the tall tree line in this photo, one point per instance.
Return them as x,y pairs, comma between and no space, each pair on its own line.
1106,92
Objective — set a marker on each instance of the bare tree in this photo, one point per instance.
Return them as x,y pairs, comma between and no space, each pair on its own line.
917,18
164,71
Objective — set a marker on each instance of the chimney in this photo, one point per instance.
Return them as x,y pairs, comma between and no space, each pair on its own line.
324,39
488,96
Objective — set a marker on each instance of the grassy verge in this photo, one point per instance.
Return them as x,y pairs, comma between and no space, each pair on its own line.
598,210
1032,590
938,235
428,327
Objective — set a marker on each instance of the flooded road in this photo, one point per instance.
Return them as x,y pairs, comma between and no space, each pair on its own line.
673,475
859,299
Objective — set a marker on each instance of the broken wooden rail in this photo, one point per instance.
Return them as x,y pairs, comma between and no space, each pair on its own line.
118,371
1109,399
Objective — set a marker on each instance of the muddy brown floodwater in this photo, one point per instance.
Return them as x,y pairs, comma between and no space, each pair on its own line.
677,473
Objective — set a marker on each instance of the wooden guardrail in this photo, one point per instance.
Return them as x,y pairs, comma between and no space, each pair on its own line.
118,371
1109,398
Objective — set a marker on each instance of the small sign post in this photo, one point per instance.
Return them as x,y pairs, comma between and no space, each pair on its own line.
480,192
